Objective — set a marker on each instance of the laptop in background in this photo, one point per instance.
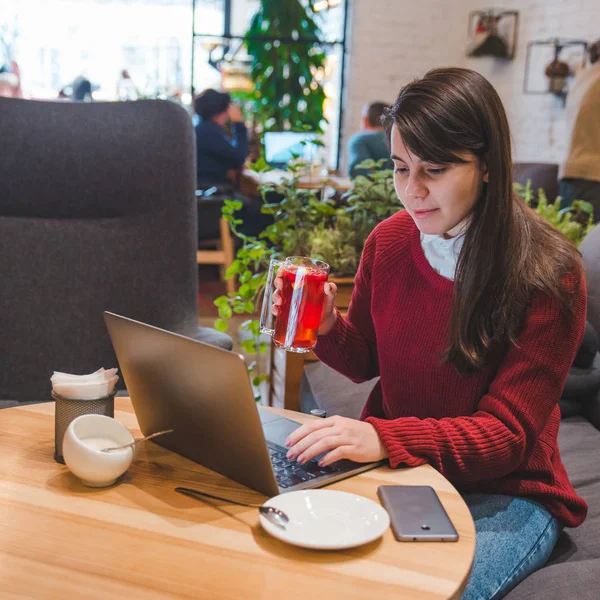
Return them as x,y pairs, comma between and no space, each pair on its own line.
204,394
281,146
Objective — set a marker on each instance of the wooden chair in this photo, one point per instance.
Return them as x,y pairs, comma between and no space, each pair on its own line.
219,251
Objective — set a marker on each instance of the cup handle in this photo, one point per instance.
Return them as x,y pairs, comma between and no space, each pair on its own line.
266,316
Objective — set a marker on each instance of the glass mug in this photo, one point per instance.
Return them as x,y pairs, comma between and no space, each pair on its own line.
297,324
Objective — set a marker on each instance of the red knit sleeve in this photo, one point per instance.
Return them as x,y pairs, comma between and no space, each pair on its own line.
511,416
350,347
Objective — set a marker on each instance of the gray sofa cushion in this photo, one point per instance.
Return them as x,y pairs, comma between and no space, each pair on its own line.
577,580
583,383
591,411
580,393
590,250
573,570
322,387
579,443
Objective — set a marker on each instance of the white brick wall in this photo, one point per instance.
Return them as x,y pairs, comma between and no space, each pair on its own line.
392,41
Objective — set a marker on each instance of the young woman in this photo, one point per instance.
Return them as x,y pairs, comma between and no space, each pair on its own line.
470,308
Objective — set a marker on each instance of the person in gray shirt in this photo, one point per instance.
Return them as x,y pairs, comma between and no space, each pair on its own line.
370,142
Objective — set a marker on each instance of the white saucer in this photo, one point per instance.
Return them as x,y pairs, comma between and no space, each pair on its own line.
327,519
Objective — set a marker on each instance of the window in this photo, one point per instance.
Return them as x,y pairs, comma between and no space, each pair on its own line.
220,55
55,42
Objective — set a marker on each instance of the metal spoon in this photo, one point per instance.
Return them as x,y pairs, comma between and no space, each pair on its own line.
148,437
272,514
275,516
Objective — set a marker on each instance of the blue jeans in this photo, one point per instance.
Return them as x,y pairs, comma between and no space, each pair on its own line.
514,538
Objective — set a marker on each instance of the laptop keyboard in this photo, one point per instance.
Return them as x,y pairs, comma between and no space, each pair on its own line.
289,472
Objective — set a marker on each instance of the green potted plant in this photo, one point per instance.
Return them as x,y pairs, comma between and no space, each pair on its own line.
307,224
286,71
574,222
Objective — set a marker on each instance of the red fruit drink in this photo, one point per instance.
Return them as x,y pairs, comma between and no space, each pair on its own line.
299,315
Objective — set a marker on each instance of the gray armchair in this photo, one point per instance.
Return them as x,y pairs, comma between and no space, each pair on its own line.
542,175
97,212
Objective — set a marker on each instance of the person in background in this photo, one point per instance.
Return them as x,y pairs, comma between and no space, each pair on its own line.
82,89
580,173
10,79
79,90
219,156
470,308
18,93
371,141
216,153
126,89
9,84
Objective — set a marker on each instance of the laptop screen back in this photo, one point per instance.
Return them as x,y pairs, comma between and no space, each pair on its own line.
281,146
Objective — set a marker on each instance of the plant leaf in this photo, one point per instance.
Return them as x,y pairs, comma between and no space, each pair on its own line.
221,325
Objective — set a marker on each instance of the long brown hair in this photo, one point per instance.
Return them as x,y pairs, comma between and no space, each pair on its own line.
509,252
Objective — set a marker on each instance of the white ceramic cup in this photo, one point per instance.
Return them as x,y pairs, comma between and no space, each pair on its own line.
84,439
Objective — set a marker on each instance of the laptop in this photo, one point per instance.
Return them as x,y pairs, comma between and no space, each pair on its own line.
204,394
281,146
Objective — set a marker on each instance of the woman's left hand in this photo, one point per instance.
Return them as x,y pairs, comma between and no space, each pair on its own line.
342,437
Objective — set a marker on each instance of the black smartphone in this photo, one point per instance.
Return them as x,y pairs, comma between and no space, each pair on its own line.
416,514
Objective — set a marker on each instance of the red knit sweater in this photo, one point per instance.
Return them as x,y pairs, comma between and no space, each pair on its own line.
494,431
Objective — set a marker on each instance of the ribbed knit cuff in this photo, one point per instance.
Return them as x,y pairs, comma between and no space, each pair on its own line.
403,439
329,345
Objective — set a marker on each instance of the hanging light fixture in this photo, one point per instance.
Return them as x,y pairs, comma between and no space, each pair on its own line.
321,5
557,72
235,78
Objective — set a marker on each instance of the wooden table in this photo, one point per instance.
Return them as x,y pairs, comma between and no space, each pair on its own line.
141,539
277,176
339,182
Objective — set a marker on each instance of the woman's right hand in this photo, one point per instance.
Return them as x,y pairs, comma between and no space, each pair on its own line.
328,316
